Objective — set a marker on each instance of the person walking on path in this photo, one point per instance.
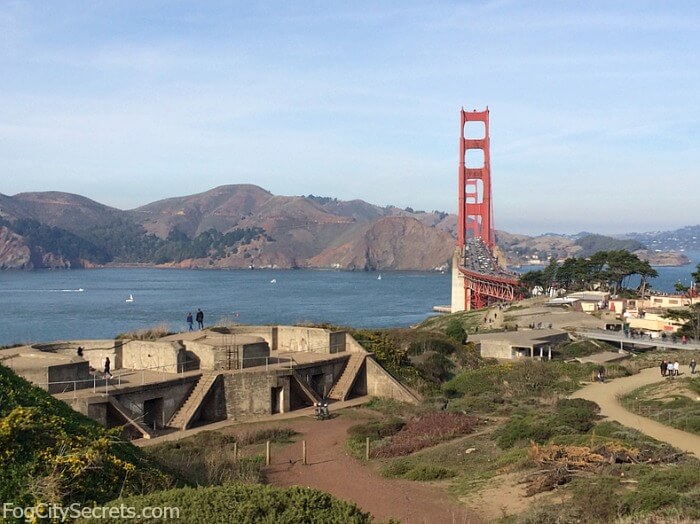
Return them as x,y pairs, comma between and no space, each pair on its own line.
692,366
189,320
601,374
676,368
107,373
200,319
663,368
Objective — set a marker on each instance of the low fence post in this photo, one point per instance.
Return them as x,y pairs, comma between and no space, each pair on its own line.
367,449
235,451
303,452
267,453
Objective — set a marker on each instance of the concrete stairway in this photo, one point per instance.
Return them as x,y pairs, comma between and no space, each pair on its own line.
183,416
341,389
136,424
304,386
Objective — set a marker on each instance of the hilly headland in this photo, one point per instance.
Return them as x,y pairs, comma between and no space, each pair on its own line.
245,226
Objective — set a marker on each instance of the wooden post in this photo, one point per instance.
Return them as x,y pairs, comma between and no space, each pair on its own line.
367,448
235,451
303,452
267,453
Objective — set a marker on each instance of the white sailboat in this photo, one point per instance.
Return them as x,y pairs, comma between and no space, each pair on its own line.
379,277
130,299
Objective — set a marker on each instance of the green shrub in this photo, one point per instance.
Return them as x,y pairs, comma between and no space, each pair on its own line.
396,468
436,368
577,413
438,345
524,428
427,472
49,452
248,503
678,478
650,498
488,379
531,377
455,330
597,500
421,472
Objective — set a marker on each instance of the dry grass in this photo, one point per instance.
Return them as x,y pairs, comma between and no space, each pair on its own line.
151,333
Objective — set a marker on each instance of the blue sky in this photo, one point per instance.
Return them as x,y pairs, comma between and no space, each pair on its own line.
595,113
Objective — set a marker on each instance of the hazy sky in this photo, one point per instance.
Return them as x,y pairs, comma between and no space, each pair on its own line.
595,106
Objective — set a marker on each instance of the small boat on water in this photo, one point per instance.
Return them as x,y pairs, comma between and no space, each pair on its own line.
379,277
130,299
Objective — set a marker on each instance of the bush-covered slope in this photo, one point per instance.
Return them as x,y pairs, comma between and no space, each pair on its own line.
246,503
51,454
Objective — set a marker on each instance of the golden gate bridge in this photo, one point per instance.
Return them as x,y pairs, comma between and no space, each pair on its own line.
478,278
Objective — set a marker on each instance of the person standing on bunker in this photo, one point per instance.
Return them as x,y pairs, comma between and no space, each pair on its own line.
200,319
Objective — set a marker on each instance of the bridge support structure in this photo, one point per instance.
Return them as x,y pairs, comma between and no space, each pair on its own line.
477,279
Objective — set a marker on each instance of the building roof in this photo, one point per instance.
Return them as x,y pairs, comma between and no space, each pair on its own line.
522,337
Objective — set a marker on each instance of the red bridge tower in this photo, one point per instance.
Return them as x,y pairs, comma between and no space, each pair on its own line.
477,279
475,212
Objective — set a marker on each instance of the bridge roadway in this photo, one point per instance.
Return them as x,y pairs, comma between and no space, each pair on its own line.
613,336
478,259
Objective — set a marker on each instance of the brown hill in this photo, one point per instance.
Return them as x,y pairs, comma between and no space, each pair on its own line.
71,212
14,252
253,228
221,208
390,243
287,231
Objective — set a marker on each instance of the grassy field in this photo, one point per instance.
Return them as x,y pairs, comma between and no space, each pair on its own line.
673,402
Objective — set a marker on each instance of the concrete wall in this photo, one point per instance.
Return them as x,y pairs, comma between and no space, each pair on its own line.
204,352
214,406
250,393
295,338
268,333
74,374
495,349
94,351
97,357
338,341
379,383
252,355
352,345
458,296
163,356
303,339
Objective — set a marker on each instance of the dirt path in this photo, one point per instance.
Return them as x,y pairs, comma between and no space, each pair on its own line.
606,395
330,469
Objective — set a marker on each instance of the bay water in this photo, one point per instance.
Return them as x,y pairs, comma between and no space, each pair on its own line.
45,306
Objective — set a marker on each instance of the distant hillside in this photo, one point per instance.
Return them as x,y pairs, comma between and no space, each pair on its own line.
683,239
591,244
242,226
232,226
525,250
